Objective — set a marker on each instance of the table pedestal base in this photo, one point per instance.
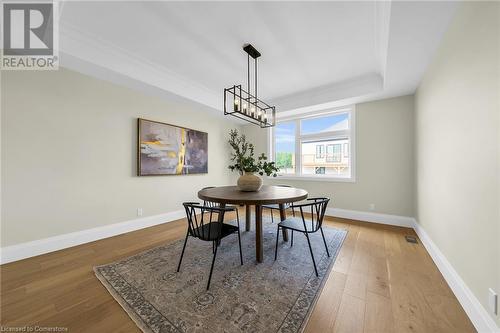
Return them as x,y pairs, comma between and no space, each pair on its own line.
248,216
259,249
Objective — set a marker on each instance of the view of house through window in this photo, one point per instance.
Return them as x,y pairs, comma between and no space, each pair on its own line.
333,162
322,147
319,170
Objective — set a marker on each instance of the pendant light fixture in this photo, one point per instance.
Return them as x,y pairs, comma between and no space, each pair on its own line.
243,104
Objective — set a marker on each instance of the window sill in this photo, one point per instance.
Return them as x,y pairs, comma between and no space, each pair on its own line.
316,178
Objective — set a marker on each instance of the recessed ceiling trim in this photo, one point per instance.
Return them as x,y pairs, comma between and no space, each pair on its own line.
359,86
399,37
382,24
104,54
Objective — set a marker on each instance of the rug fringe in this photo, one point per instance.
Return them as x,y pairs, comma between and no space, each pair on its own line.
323,282
131,313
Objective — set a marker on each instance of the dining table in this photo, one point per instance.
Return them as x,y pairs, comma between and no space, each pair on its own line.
267,195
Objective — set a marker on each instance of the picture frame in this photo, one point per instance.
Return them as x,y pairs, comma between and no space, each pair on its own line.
166,149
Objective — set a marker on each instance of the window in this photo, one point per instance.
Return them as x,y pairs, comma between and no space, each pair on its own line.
320,151
318,146
334,153
284,137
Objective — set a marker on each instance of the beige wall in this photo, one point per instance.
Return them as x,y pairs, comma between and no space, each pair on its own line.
384,160
69,154
457,146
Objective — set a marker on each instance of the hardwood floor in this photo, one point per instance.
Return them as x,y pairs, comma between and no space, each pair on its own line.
379,283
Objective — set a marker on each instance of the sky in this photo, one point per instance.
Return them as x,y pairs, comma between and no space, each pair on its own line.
285,132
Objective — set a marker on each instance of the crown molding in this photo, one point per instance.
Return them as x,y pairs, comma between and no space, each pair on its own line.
369,84
382,27
104,54
81,49
320,97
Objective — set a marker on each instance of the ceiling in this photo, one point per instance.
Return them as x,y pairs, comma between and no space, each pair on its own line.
314,54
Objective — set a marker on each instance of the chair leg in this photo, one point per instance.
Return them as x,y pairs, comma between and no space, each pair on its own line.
239,237
291,243
183,248
324,241
272,216
312,255
239,242
277,238
212,267
238,218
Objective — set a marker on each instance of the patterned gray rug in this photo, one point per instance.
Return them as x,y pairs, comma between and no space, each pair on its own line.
273,296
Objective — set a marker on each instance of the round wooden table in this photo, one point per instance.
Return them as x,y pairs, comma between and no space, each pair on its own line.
267,195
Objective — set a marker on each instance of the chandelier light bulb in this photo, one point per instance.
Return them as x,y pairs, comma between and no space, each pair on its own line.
236,104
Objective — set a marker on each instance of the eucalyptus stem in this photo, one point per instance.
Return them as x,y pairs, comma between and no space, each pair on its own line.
243,157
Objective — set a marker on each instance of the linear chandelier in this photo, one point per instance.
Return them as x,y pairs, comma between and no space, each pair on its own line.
243,104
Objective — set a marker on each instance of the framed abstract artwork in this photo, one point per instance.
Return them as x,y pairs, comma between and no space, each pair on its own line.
165,149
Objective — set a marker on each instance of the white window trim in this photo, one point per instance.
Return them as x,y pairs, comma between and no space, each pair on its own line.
351,133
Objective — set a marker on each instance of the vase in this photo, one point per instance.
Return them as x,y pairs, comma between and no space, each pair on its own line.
249,182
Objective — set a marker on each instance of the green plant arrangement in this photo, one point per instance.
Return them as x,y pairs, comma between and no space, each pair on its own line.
243,157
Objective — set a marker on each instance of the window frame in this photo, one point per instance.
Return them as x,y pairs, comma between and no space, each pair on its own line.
321,151
332,160
345,150
350,134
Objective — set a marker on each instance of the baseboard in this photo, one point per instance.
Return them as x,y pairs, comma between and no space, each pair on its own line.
46,245
41,246
401,221
479,316
481,319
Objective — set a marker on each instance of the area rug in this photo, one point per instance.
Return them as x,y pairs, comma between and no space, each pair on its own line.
272,296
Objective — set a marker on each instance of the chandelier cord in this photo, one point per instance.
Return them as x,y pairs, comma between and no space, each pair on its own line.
248,73
255,80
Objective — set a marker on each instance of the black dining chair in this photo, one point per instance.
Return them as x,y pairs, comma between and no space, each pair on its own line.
206,229
318,209
216,204
209,203
273,207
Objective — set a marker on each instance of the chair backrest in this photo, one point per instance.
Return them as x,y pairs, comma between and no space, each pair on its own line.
287,205
198,219
209,203
317,208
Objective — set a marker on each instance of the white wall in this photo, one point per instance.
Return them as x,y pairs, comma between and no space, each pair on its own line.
384,160
69,154
458,148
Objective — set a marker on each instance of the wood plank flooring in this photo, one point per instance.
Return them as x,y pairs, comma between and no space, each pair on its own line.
379,283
